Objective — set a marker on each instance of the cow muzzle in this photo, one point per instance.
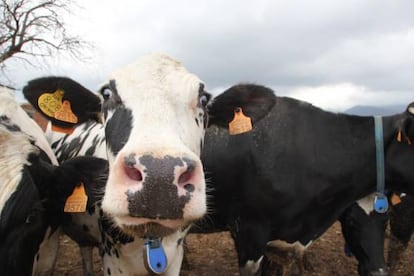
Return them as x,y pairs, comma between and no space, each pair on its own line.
380,272
158,194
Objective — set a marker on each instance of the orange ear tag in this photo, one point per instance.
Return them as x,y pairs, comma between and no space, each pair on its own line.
395,199
65,113
240,123
76,202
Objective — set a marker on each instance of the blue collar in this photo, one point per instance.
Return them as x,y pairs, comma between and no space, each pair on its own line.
380,201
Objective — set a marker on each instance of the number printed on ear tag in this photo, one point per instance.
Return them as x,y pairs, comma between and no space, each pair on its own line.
380,203
154,256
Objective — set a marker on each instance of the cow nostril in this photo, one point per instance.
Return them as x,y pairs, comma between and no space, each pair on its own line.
185,176
189,187
133,173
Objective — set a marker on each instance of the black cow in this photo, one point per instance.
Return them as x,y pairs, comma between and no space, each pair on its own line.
297,171
33,190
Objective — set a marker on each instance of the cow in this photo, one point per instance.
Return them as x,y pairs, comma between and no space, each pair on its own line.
155,113
401,228
289,178
363,229
33,190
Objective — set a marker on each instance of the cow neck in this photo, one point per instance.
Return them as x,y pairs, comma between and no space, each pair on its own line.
380,201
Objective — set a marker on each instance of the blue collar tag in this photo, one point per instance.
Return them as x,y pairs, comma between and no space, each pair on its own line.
380,203
155,258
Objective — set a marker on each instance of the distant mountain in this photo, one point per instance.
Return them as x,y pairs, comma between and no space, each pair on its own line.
365,110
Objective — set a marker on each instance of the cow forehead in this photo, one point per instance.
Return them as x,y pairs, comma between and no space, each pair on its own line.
158,77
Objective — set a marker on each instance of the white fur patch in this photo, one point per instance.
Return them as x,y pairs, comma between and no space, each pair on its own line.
130,260
367,203
14,150
10,108
251,267
162,96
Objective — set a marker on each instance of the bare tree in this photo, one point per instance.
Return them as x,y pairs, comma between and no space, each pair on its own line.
36,28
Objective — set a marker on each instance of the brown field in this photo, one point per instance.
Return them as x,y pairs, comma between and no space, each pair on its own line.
214,254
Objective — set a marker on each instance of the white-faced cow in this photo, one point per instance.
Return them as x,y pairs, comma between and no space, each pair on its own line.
155,115
297,171
33,190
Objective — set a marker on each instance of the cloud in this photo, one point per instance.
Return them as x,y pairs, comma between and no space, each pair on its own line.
363,46
339,97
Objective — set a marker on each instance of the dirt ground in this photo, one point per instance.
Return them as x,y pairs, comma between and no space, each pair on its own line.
214,254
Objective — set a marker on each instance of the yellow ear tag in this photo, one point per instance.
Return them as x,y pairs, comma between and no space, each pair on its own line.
76,202
240,123
65,113
395,199
49,103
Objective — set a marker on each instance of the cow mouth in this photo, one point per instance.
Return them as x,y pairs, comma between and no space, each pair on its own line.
151,229
144,227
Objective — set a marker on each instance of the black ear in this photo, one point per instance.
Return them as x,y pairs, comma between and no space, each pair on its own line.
255,100
410,109
63,101
406,126
91,171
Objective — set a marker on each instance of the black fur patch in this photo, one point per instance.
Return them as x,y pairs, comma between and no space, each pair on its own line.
118,129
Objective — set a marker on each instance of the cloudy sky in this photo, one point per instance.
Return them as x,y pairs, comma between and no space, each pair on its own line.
335,54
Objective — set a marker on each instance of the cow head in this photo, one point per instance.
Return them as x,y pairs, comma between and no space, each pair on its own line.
155,113
399,149
406,126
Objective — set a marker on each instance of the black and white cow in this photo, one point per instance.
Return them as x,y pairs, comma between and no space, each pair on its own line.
364,231
297,171
33,190
155,115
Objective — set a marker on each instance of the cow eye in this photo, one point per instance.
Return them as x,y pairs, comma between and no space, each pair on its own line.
106,93
203,100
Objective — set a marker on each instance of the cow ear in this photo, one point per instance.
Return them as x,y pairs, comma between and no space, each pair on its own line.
63,101
90,171
254,100
406,126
